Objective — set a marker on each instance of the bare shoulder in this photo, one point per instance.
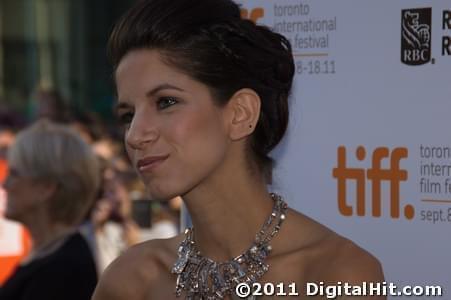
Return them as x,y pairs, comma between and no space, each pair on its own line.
349,264
325,256
353,264
134,273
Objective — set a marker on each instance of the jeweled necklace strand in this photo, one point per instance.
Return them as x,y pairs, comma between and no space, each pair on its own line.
204,279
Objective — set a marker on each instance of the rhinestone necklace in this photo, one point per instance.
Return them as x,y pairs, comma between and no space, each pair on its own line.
204,279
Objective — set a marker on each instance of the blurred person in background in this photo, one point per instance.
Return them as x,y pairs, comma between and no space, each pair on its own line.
52,181
114,229
164,220
109,226
47,103
15,240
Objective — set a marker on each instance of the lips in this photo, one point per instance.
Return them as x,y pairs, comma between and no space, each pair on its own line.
150,162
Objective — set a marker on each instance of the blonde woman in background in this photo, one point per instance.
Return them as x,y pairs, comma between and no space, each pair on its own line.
52,181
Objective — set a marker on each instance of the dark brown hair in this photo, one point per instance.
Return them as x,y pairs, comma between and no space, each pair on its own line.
208,40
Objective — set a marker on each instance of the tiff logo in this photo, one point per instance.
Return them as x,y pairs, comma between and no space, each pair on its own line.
376,175
253,15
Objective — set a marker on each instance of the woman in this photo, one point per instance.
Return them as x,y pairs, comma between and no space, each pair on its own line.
203,97
52,181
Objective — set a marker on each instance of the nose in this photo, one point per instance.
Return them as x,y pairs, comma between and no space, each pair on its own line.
142,131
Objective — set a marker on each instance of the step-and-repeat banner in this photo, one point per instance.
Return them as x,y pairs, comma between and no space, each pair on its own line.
368,152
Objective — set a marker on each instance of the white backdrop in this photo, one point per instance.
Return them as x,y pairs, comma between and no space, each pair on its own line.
351,90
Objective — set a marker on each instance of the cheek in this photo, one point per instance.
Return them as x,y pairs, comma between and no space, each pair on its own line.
197,143
12,203
128,149
200,143
13,197
20,198
200,135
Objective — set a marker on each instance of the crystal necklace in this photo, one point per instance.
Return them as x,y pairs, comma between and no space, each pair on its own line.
204,279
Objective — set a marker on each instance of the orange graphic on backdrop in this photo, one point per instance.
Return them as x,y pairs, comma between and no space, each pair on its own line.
8,264
376,174
254,15
3,170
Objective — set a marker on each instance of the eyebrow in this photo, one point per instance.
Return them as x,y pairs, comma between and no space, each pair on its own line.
152,92
164,86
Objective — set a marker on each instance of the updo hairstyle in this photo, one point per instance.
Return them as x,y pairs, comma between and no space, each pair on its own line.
208,40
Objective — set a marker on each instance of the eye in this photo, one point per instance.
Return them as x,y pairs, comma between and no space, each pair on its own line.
125,118
165,102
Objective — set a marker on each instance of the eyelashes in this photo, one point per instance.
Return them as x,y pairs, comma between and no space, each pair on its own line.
162,103
165,102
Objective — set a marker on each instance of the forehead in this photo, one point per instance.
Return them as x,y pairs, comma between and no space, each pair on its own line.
143,69
140,60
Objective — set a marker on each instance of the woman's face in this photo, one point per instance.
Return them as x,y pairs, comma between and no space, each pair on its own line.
175,136
22,195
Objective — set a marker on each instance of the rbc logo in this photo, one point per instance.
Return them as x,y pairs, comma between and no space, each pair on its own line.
376,175
416,36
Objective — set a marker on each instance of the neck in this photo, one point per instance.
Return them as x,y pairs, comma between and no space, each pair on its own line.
44,232
226,215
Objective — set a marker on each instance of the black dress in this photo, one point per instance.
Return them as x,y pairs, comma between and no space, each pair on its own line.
69,273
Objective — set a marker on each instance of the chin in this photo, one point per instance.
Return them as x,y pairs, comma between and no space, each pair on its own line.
169,186
160,195
155,188
11,216
163,192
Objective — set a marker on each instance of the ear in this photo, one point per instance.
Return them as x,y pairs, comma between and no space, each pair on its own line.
244,108
46,189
